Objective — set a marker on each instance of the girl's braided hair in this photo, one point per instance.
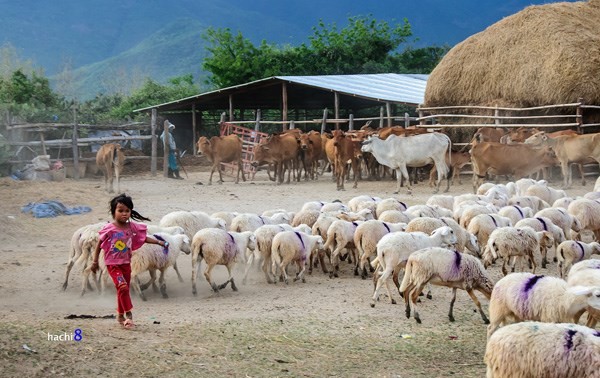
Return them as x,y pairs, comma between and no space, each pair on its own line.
127,201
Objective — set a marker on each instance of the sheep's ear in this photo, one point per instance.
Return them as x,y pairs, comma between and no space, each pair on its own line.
580,290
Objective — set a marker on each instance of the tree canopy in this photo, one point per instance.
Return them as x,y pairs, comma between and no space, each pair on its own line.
365,45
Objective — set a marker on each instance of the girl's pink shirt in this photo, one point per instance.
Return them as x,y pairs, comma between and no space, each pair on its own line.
118,243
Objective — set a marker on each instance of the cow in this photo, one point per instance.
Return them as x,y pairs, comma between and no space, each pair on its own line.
345,150
569,149
279,149
415,151
518,136
310,147
518,160
456,161
383,133
110,159
222,149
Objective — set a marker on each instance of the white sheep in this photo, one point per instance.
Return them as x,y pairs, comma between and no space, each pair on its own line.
389,204
561,218
592,195
510,189
526,296
359,202
308,217
313,205
483,225
340,236
219,247
80,249
521,185
293,247
586,273
250,221
544,224
264,240
441,200
366,236
191,221
515,213
495,196
586,211
152,257
464,239
443,267
597,185
226,216
334,207
545,192
394,249
574,251
394,216
465,214
563,202
427,211
271,212
511,242
534,203
549,350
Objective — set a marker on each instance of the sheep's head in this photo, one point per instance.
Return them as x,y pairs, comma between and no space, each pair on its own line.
318,243
592,293
488,256
473,245
251,241
447,236
185,244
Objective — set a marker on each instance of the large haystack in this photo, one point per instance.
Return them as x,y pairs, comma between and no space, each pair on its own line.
547,54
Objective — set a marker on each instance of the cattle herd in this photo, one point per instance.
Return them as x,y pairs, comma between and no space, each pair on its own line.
449,241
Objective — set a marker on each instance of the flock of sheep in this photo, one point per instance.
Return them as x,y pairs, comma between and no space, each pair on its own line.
448,241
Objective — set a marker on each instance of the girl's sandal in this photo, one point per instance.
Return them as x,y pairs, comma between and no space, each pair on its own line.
128,324
120,319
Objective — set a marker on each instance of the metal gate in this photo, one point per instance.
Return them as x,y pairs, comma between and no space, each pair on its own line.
250,138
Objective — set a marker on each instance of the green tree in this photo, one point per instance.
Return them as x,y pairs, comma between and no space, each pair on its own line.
422,60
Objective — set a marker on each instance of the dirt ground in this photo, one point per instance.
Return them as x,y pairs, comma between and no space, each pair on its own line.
322,328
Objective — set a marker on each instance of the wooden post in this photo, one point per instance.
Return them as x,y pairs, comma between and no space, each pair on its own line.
166,148
292,125
74,142
406,121
324,121
579,114
43,144
223,117
388,110
154,142
381,117
230,108
351,122
194,131
421,115
284,110
257,124
496,115
336,108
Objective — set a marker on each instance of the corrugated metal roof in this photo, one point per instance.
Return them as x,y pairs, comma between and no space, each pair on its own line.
404,88
392,87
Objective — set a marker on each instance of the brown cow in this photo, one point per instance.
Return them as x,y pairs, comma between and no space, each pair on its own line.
518,160
344,149
225,149
400,131
569,149
456,161
110,160
281,150
310,147
519,135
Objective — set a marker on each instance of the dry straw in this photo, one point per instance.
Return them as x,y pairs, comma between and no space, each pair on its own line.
547,54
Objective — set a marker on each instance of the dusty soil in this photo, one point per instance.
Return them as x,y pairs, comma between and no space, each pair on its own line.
322,328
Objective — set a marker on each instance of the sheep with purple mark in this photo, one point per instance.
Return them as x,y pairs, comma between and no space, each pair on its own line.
250,221
293,247
394,216
574,251
549,350
534,203
394,249
389,204
515,213
526,296
340,237
512,242
366,237
363,202
443,267
219,247
562,219
544,224
586,211
484,224
308,217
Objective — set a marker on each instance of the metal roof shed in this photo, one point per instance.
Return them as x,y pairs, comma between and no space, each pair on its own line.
308,92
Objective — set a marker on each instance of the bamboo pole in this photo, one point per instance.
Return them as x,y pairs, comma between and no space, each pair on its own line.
406,121
381,117
351,122
166,148
324,121
284,110
257,122
579,113
230,108
154,142
388,112
336,108
75,146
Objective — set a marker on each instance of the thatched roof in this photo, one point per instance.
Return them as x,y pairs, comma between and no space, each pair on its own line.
546,54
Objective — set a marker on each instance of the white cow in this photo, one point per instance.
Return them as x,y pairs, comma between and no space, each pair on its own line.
414,151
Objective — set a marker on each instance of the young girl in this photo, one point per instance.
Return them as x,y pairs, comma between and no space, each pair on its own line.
118,239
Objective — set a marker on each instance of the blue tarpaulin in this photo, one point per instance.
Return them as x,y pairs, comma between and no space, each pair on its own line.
51,209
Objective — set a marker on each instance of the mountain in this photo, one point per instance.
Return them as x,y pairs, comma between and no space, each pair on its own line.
106,41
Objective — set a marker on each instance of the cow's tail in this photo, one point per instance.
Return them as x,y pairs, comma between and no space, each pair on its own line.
115,156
